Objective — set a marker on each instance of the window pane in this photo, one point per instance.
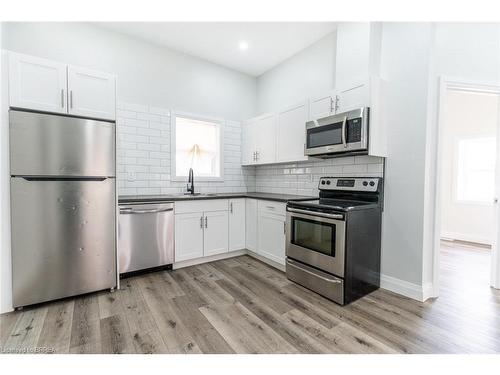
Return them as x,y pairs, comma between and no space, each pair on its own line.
197,147
476,169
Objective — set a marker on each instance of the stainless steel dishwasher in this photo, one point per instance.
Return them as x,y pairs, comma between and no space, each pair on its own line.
145,236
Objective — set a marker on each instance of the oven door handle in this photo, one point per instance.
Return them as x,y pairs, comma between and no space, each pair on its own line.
344,132
293,264
313,213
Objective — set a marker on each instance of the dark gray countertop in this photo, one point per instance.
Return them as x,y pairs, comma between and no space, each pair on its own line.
179,197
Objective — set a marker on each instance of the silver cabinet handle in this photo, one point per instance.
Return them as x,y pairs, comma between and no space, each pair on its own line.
270,207
206,222
344,129
71,98
201,222
62,98
293,264
284,227
231,207
314,213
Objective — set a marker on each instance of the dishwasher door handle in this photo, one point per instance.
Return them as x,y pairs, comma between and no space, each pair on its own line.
129,210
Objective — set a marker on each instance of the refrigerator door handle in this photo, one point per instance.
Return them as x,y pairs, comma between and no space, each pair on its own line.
28,178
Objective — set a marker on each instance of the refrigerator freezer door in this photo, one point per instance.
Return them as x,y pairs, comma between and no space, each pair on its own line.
63,238
52,145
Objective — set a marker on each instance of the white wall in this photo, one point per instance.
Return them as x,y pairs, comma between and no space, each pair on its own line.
405,66
466,52
308,73
467,115
147,74
5,263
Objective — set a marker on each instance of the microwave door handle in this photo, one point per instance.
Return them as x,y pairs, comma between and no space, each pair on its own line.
344,132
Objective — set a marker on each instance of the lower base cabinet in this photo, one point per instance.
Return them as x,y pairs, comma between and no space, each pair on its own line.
251,224
188,236
208,228
215,235
271,237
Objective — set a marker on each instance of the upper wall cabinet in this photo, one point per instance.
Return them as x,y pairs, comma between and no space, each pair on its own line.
259,140
322,105
266,139
50,86
291,133
37,83
91,93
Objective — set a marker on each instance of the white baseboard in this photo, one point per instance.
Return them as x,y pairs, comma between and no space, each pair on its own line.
407,289
193,262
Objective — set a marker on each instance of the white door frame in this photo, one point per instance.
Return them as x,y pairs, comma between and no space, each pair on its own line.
446,84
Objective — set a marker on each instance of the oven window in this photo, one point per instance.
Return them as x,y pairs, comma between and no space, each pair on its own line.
326,135
314,235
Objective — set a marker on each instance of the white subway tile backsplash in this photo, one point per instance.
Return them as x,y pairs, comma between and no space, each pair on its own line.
143,149
143,161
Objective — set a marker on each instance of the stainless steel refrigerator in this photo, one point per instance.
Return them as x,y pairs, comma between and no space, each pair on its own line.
63,206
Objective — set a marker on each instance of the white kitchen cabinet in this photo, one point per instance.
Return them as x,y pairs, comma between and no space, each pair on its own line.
236,224
353,96
271,237
259,140
251,224
291,133
322,105
36,83
266,139
91,93
201,228
51,86
215,235
248,143
188,236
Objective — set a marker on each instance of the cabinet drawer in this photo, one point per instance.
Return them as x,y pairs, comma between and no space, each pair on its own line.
272,207
201,206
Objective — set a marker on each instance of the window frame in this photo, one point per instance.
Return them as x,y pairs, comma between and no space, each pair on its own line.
173,142
456,173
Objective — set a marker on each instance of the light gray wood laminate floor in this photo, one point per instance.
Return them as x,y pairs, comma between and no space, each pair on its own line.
242,305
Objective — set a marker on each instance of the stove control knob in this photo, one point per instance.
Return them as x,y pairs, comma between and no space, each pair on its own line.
322,182
365,183
328,182
372,183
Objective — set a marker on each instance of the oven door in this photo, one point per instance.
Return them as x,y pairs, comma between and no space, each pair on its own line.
340,133
316,239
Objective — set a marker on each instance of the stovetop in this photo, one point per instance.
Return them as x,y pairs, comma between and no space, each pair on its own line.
344,194
326,204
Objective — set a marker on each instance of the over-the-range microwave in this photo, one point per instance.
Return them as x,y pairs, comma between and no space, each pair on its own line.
339,134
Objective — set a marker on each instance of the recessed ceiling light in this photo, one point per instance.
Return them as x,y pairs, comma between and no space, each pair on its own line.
243,46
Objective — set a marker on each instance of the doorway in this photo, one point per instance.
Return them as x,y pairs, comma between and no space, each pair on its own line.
466,245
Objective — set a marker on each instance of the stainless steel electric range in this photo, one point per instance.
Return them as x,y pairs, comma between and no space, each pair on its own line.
333,243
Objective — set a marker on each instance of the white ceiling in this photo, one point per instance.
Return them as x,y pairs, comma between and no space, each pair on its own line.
269,43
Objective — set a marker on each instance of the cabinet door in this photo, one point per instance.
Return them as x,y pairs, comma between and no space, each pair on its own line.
91,93
248,143
216,233
322,106
271,237
36,83
188,236
266,139
236,224
291,131
353,97
251,224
